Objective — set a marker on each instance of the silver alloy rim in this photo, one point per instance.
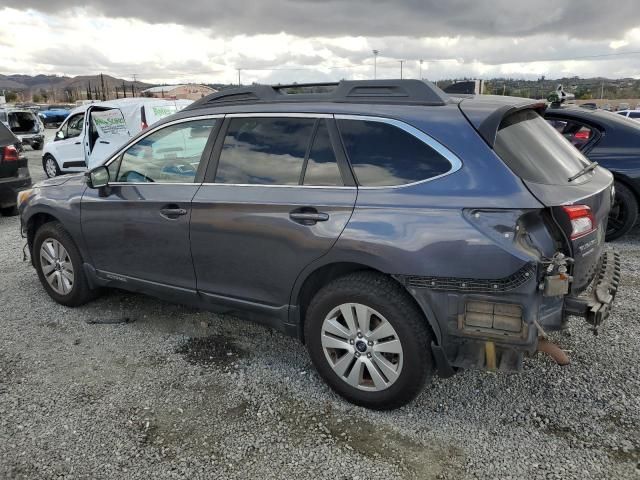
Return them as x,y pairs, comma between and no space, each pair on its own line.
362,347
51,167
56,266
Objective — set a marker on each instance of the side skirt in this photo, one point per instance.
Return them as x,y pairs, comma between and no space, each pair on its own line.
268,315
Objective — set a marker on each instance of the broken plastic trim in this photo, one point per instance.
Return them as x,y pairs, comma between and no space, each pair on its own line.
517,279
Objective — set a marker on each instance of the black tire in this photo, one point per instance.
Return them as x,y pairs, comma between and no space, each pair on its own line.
624,213
80,293
9,211
393,302
36,146
54,166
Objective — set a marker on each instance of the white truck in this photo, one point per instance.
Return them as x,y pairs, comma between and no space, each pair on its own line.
92,132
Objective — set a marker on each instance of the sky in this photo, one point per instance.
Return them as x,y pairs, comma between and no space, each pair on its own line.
286,41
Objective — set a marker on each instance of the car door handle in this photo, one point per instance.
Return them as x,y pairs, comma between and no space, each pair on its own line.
78,143
172,213
308,216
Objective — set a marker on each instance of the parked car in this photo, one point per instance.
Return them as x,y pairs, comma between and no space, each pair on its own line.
14,171
25,125
590,105
395,230
613,142
93,131
633,114
623,106
54,116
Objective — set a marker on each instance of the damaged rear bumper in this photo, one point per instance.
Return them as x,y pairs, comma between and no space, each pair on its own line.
596,305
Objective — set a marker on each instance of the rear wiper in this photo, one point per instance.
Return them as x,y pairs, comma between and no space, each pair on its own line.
586,169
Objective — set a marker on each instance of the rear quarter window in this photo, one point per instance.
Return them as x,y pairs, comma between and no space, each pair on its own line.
382,154
536,151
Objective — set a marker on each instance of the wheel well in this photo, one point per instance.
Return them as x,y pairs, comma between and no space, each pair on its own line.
33,224
326,274
627,183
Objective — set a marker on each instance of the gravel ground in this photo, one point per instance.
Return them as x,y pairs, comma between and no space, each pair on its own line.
178,393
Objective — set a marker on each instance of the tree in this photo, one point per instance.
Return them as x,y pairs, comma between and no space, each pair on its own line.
11,96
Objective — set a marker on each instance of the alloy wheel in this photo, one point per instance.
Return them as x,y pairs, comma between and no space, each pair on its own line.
51,167
56,266
362,347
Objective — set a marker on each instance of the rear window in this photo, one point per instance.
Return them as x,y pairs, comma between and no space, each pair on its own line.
536,151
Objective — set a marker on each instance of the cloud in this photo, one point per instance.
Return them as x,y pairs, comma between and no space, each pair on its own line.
505,40
373,18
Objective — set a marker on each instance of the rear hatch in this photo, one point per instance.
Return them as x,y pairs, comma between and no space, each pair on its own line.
577,193
23,122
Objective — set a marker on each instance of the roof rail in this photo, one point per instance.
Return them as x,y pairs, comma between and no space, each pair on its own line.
405,92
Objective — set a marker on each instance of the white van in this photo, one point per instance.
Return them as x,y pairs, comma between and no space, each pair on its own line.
94,131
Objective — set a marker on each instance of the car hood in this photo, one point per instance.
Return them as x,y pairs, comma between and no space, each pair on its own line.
57,181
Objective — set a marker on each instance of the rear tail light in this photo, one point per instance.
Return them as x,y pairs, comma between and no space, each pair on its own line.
9,154
582,220
582,135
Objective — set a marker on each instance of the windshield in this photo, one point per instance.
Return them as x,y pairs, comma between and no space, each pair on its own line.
536,152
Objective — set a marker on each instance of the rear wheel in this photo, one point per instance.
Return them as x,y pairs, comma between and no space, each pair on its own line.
369,341
623,214
59,266
50,166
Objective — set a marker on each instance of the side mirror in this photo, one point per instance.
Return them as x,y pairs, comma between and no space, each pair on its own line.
59,135
98,177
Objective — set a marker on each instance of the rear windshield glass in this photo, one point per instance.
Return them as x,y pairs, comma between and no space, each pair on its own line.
536,152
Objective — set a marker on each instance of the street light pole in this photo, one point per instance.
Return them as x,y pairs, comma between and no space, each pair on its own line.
375,63
421,68
401,63
239,81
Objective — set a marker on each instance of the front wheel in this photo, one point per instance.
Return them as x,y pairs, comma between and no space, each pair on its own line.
369,341
623,213
59,266
50,166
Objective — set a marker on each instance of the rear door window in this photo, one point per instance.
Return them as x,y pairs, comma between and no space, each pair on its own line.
265,151
536,151
579,134
385,155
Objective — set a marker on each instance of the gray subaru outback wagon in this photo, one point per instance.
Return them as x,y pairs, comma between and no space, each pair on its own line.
397,231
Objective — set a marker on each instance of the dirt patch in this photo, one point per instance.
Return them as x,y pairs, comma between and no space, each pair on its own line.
378,442
212,350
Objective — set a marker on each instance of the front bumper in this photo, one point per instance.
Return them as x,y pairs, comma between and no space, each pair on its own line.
596,305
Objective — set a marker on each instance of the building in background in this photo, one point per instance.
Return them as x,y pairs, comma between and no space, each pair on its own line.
179,92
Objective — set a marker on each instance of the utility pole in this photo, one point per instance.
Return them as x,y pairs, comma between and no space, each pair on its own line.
602,91
421,68
401,64
375,63
133,85
239,79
